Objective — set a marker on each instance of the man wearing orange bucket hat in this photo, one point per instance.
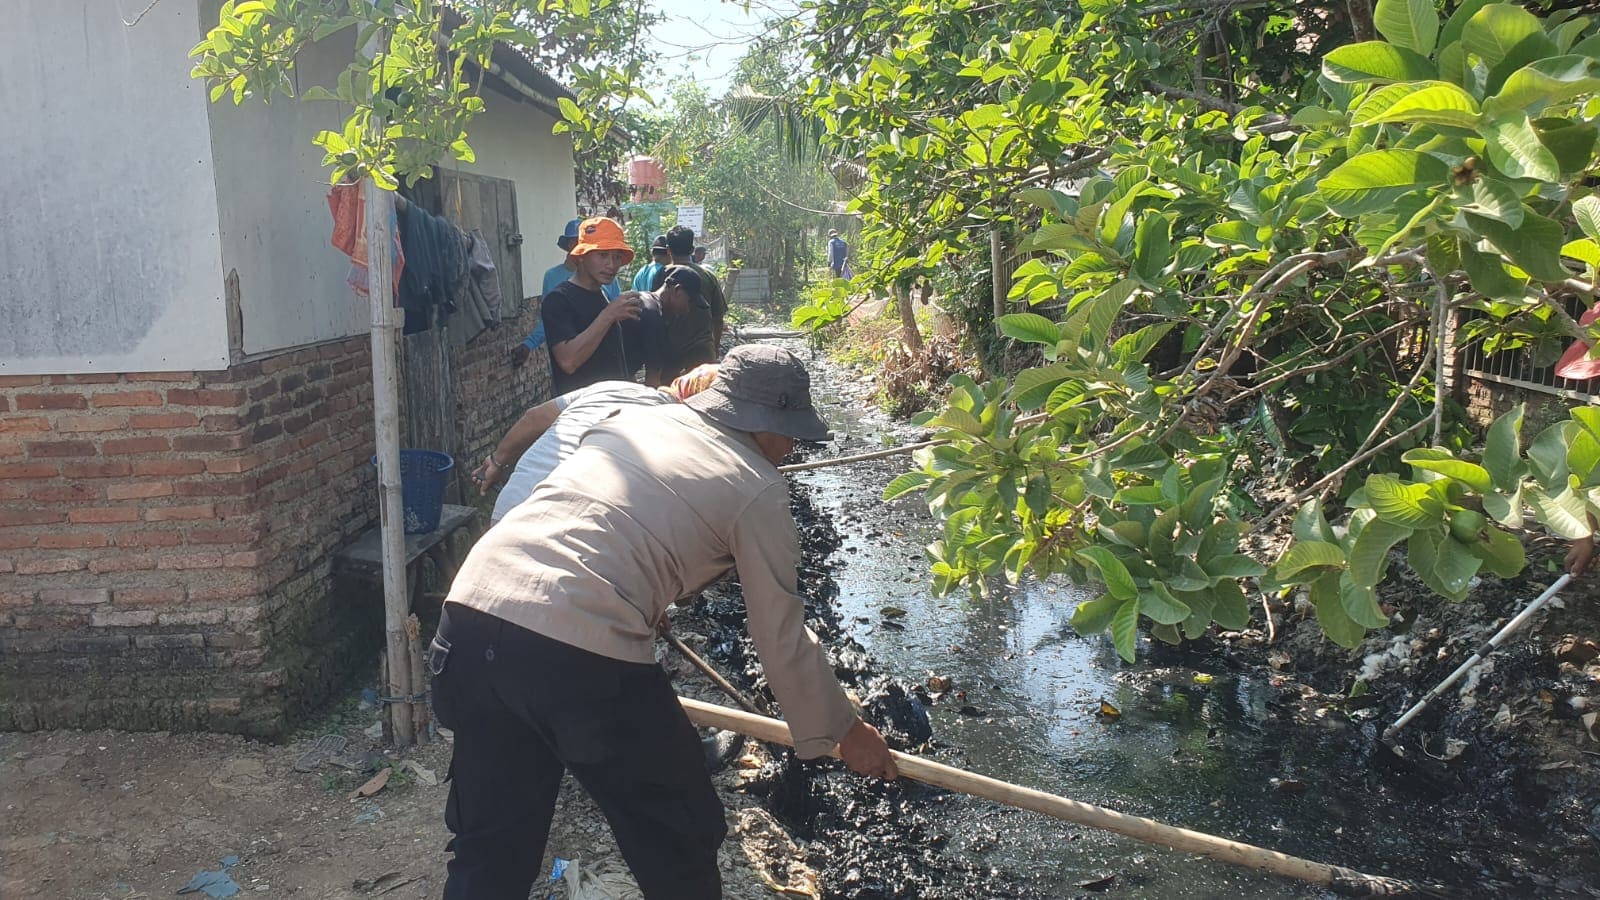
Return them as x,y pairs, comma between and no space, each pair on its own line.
584,330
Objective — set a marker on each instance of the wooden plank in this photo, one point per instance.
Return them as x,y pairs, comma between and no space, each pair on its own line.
363,558
511,268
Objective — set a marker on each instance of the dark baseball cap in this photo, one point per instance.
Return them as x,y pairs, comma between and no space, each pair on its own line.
659,245
687,279
762,388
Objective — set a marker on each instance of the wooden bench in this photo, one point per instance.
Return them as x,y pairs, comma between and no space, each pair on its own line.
363,559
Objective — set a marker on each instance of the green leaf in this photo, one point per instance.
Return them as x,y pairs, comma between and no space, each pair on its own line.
1458,21
1031,328
1153,246
1495,200
1307,555
1232,610
1587,212
1037,495
1547,457
1124,629
1515,149
1411,505
1094,616
1377,61
1455,568
1115,575
1032,387
1311,525
1534,246
1233,566
1369,553
1432,102
1336,623
1412,24
1543,83
1501,553
959,419
1502,448
1505,37
1583,250
905,484
1360,603
1136,346
1159,604
1373,181
1505,508
1571,143
1563,512
1431,459
1490,277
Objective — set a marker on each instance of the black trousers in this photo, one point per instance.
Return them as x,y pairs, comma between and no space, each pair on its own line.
524,709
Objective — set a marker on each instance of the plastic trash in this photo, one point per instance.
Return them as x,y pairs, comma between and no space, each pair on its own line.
217,884
584,884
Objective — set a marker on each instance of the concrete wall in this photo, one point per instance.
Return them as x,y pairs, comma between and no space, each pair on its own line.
271,193
108,231
513,140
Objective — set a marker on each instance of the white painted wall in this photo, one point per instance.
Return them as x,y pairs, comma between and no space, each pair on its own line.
108,228
513,140
272,198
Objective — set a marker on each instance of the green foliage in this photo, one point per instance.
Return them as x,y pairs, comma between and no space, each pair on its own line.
412,87
1208,264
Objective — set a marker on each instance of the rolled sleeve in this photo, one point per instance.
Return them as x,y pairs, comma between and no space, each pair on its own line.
766,550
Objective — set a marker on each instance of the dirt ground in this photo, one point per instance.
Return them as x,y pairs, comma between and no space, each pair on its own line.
101,814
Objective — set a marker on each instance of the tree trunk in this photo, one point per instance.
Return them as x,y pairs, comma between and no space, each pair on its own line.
909,333
1361,20
998,275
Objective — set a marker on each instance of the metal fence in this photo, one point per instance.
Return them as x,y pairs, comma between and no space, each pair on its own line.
1516,367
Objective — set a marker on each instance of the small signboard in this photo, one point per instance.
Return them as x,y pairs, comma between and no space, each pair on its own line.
692,217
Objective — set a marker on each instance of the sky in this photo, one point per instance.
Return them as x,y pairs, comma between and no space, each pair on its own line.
705,38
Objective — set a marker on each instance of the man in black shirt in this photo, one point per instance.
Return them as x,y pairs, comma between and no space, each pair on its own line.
585,332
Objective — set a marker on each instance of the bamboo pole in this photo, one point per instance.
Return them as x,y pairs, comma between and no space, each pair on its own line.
386,324
1337,878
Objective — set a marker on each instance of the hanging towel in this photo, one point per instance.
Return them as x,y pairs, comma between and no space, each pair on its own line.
348,206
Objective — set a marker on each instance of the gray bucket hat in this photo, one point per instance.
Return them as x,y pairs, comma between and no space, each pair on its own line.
760,388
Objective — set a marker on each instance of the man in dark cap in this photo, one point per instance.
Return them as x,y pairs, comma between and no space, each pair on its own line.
688,332
545,657
659,259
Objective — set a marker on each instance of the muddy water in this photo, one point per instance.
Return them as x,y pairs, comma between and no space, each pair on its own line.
1196,744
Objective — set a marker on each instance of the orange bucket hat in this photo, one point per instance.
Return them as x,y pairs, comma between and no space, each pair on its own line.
601,233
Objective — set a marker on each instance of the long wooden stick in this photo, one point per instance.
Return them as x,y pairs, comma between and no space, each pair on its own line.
1338,878
716,677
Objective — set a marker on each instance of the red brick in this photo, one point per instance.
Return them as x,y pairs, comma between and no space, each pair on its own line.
29,470
96,470
101,422
149,539
51,401
24,423
223,535
212,593
139,490
75,597
52,621
126,398
72,541
233,465
16,517
122,562
164,596
216,487
54,449
20,380
16,599
123,618
124,446
191,561
228,422
155,421
10,449
167,376
168,467
98,378
205,397
12,491
248,559
71,493
210,443
50,566
103,515
179,513
17,541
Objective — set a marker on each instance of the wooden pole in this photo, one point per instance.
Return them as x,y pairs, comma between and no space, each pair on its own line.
909,332
1150,831
997,276
386,323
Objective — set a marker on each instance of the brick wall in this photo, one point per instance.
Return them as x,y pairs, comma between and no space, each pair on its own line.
167,539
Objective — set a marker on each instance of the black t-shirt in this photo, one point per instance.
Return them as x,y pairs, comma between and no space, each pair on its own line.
567,311
644,340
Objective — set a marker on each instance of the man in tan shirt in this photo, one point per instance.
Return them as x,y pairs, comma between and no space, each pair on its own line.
545,657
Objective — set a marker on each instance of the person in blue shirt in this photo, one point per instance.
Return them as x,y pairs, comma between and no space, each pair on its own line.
658,261
838,254
553,278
